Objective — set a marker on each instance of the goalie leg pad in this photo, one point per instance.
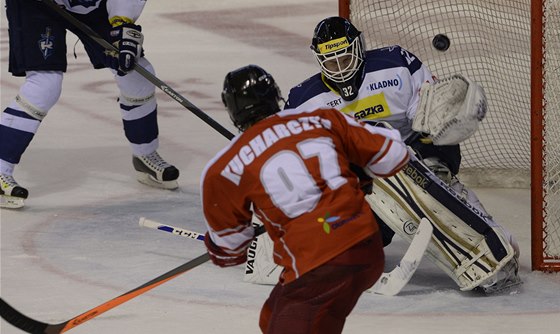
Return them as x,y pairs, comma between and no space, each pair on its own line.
470,253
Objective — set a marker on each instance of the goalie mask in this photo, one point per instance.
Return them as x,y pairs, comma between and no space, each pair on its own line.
340,52
250,94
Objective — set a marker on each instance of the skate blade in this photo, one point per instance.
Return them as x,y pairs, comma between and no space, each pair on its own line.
11,202
150,181
509,287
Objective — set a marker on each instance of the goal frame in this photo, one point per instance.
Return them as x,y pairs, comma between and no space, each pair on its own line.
539,259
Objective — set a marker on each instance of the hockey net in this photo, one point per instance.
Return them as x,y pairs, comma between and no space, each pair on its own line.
491,42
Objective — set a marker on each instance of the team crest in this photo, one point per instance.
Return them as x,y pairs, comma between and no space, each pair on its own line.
46,43
83,3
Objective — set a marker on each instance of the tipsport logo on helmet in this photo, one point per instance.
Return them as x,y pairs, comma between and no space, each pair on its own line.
334,45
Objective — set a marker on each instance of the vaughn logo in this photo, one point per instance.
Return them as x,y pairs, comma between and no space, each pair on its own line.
251,254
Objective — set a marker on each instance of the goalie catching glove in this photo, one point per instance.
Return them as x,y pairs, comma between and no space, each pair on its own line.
450,109
223,258
127,38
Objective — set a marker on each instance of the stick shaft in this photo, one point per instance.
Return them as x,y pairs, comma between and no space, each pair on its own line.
389,284
141,70
144,222
29,325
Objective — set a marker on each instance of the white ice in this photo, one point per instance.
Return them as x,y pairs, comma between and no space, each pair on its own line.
77,243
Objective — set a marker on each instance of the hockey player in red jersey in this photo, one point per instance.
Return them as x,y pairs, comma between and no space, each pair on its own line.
292,170
38,52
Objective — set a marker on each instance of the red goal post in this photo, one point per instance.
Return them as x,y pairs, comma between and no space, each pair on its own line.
511,47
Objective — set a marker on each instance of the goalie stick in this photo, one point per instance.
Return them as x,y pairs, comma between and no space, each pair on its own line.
29,325
389,284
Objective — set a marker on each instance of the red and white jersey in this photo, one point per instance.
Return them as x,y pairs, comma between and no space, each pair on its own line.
292,170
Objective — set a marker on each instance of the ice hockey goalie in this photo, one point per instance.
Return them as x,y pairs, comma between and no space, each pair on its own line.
466,243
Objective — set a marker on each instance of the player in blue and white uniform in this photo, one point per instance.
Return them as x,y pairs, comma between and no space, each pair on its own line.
372,86
38,52
383,86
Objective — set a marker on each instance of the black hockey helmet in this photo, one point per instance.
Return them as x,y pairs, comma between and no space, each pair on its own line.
250,94
339,50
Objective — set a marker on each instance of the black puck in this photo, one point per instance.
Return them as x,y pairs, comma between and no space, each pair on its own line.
441,42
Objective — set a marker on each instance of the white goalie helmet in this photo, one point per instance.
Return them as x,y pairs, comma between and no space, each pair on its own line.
339,50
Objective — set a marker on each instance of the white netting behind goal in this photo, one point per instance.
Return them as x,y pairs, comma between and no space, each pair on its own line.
490,43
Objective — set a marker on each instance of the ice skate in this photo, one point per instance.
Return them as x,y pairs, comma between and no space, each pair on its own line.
504,281
153,171
12,195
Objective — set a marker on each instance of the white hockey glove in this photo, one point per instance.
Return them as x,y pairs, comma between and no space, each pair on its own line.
450,110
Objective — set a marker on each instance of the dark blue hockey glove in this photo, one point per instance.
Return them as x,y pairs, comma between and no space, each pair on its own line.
128,39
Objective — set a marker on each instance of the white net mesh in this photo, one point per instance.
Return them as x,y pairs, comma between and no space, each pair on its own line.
551,121
490,43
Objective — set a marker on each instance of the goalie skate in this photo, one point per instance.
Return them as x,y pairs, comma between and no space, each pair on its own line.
153,171
505,281
466,244
12,195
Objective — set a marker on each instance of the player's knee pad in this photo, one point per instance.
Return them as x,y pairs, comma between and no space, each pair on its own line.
39,93
134,88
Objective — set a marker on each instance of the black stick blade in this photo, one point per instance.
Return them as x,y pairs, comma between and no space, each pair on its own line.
20,320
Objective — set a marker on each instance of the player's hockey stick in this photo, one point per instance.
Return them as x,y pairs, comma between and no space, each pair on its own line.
142,71
389,284
30,325
144,222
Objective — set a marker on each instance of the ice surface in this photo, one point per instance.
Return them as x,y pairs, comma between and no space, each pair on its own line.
77,243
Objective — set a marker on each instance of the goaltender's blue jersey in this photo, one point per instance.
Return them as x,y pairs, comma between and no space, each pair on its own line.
389,91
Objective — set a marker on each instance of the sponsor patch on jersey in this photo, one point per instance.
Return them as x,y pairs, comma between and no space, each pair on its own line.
331,223
368,108
334,45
